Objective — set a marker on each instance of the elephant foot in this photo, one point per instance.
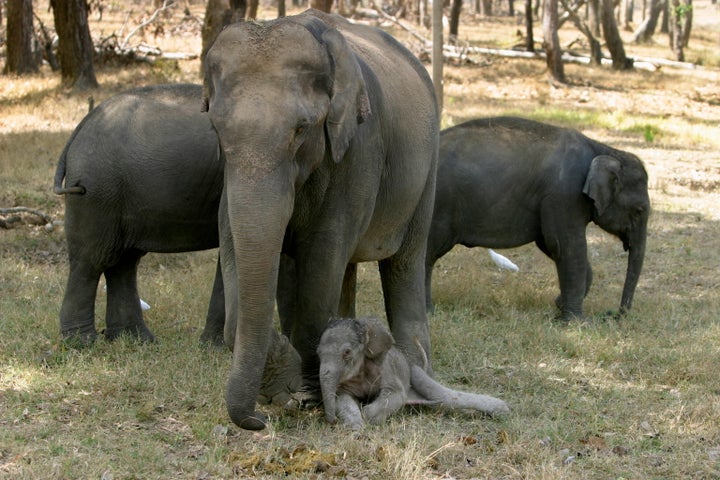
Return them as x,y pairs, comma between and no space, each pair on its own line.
140,332
256,421
213,339
80,337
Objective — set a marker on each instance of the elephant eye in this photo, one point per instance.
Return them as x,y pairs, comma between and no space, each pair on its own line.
347,354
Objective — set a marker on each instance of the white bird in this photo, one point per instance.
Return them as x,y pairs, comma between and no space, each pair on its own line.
502,262
143,304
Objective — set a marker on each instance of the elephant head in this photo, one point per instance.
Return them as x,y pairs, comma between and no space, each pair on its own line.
617,184
286,98
350,349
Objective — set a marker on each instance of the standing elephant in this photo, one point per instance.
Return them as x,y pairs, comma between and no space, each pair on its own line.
330,133
504,182
143,173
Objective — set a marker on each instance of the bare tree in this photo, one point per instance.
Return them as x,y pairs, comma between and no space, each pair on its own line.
218,14
324,5
75,47
454,21
20,55
529,38
620,61
595,51
645,31
553,51
680,10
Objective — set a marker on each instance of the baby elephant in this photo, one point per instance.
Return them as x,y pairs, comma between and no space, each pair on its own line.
360,364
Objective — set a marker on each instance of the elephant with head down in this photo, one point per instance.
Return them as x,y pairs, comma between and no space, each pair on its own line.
330,134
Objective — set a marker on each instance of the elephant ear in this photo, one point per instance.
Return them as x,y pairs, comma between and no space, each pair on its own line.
603,181
378,339
349,102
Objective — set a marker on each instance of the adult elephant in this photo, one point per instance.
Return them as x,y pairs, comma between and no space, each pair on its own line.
504,182
143,173
330,134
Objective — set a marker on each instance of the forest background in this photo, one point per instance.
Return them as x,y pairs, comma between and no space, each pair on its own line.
601,398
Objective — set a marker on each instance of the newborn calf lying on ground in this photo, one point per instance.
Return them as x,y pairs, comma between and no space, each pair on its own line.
359,363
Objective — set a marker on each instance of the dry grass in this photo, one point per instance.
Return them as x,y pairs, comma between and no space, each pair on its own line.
599,399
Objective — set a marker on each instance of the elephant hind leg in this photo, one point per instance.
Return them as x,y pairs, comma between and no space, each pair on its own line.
213,333
124,314
77,313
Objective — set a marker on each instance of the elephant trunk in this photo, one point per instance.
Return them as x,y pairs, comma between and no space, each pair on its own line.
258,213
328,386
635,243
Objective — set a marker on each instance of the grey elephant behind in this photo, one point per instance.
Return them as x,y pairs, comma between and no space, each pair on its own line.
503,182
143,173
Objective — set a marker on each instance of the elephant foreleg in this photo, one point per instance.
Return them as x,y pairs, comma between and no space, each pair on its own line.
124,314
348,411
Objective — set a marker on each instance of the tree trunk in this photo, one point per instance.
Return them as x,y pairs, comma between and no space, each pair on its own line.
324,5
687,24
486,7
529,38
454,21
645,31
217,16
595,50
594,17
612,37
676,30
252,9
511,8
553,51
20,56
75,47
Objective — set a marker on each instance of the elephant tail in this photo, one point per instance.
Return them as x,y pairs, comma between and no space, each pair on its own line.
58,187
436,393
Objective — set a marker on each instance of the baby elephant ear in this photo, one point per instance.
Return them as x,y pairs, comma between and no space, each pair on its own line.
603,181
378,339
349,102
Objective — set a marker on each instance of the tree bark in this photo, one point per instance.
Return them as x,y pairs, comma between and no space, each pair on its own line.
553,51
612,37
218,14
529,38
595,50
594,17
21,58
75,47
645,31
454,21
676,30
324,5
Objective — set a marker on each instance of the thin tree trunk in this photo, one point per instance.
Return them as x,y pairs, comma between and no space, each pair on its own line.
20,56
553,51
676,30
612,37
454,21
75,47
645,31
218,14
324,5
687,24
529,39
594,17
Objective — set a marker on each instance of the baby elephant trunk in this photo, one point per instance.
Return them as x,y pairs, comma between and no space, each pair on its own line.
328,386
449,398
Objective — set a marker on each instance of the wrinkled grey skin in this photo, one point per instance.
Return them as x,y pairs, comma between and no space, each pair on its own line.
359,364
142,174
504,182
330,136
